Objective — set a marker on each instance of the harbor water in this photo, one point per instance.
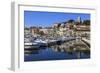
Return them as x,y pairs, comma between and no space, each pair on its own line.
64,51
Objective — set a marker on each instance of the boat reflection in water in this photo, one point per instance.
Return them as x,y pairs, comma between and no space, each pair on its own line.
67,50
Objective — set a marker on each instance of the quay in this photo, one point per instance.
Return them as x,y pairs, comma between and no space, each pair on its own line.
86,41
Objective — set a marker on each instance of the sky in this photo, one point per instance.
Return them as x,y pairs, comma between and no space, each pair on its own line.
47,19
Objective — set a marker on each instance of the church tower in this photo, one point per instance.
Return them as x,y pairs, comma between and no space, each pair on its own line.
79,19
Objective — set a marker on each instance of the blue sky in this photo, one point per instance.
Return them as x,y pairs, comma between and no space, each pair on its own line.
46,19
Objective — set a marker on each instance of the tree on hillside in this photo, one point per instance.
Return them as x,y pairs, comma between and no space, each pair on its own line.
86,22
71,21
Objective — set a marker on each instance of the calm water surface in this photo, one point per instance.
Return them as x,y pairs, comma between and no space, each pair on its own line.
53,53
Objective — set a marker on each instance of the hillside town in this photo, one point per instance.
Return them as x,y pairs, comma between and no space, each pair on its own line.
68,28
